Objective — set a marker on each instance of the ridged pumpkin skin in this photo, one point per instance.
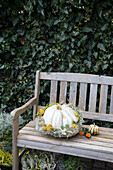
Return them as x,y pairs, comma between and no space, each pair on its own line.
94,129
59,115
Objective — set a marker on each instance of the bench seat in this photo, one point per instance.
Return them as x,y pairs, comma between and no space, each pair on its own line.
98,147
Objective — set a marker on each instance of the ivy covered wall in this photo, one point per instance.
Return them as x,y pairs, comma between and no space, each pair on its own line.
54,35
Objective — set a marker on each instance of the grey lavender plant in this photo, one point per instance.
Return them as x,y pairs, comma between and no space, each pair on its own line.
6,126
34,159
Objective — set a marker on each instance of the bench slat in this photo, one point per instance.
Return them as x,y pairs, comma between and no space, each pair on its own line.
65,150
82,97
53,91
63,91
73,92
103,99
77,77
68,143
37,87
97,116
111,101
93,97
95,141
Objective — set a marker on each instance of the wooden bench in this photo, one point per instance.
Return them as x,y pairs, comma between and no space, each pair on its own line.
83,91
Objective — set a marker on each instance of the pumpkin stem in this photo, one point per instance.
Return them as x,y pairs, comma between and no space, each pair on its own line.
59,107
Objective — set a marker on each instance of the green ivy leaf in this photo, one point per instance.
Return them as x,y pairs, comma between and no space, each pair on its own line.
15,21
101,47
105,66
95,54
76,33
66,25
1,39
87,29
104,27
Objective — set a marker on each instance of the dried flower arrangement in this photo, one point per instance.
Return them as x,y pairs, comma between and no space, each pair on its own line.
59,120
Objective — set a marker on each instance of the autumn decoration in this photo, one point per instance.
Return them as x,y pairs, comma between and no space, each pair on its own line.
59,120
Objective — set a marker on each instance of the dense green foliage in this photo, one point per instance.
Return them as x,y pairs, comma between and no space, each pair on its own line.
64,36
72,162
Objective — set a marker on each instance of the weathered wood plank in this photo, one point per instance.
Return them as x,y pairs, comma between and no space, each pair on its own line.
97,141
103,99
17,112
29,128
68,143
97,116
53,91
37,87
73,93
67,150
30,124
103,142
82,97
93,97
111,101
77,77
15,147
63,91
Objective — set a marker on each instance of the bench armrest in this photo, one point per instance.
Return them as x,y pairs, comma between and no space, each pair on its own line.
17,112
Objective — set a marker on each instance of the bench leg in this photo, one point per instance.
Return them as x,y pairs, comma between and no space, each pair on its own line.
15,148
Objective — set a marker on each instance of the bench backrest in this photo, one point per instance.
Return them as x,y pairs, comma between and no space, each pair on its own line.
92,94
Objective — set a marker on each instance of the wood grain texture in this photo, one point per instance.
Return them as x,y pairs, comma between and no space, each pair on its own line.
103,98
73,93
63,91
93,97
82,96
69,143
66,150
77,77
17,112
53,91
97,116
100,140
37,87
111,101
15,147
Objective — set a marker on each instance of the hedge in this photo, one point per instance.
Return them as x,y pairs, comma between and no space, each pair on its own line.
54,35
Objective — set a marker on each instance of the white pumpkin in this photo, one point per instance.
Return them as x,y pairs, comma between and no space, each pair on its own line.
59,115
